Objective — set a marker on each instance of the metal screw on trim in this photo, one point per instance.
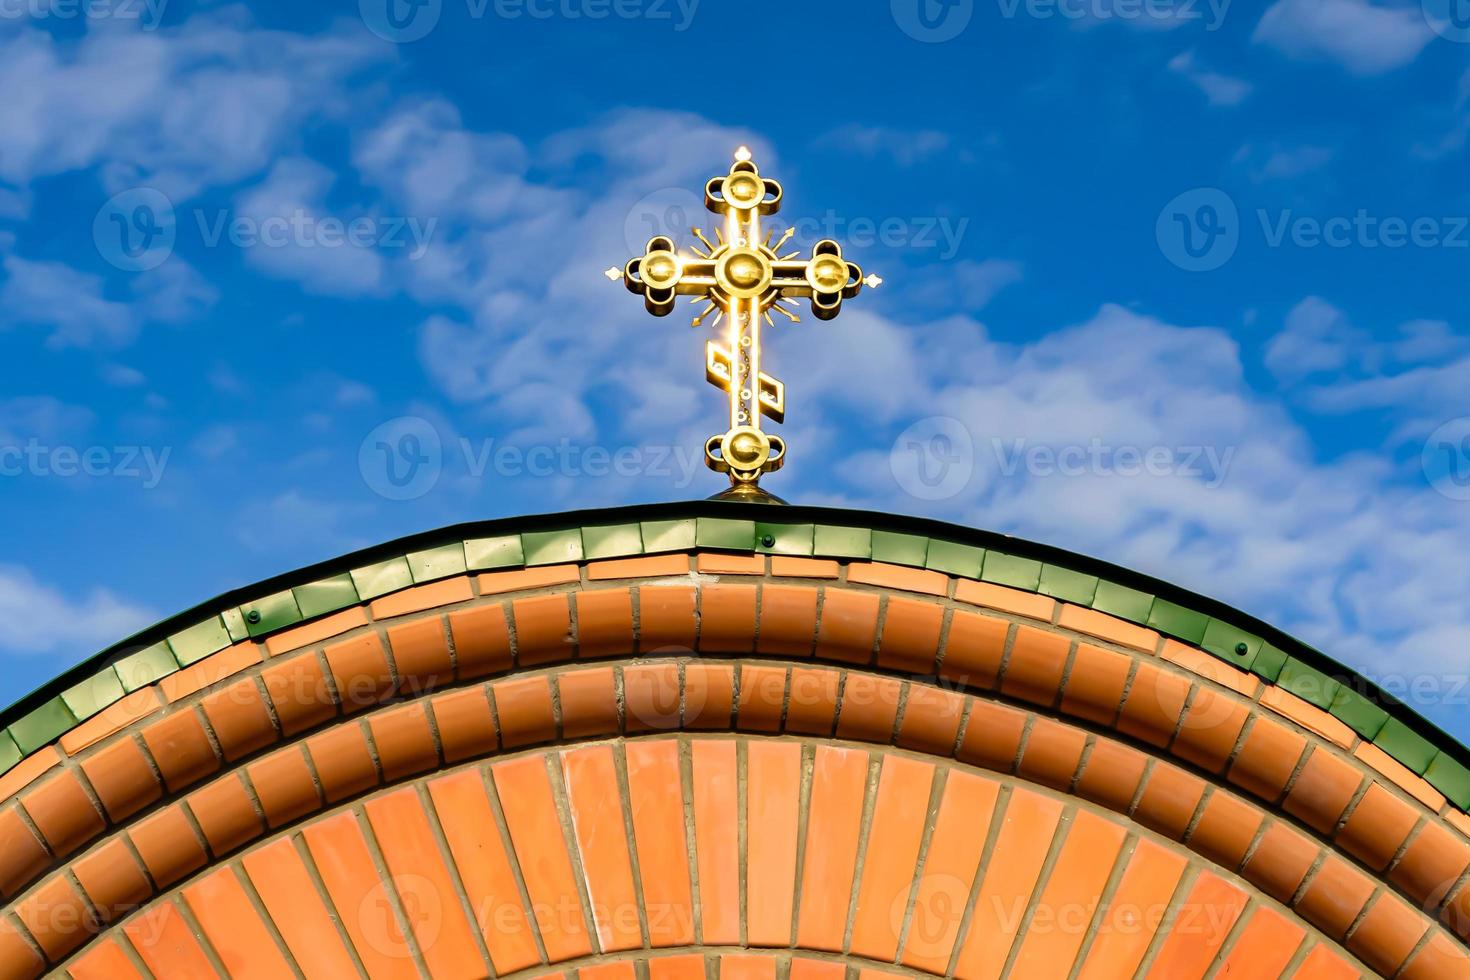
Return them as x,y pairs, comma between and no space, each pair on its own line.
768,541
253,616
1241,649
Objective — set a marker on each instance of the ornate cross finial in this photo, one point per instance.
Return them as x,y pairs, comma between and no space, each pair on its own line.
740,278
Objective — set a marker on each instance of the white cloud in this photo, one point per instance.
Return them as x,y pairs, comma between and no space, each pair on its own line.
1218,89
903,146
1363,37
67,302
41,619
41,417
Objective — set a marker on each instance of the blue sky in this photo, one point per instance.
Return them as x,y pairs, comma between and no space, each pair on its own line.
1181,285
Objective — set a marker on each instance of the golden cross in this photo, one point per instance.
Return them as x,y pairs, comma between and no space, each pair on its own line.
741,278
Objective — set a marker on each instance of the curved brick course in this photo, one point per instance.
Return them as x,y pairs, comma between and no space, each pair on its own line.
695,751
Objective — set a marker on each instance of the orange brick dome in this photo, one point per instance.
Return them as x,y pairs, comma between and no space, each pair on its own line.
725,742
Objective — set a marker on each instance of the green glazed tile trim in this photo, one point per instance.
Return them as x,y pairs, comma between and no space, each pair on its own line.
900,549
1225,642
1010,570
382,578
93,694
487,553
614,541
1067,585
552,547
1123,602
1358,713
436,563
1268,663
1307,683
1450,778
955,559
43,726
271,613
843,542
10,753
144,667
785,539
664,536
235,624
198,642
1412,750
1173,619
326,596
725,534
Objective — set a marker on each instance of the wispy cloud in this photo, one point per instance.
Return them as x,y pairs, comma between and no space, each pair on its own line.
43,619
1218,89
1361,36
904,147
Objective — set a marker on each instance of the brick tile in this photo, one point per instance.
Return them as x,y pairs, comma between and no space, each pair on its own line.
466,726
1377,827
910,640
785,566
656,800
1265,947
869,708
589,702
1015,601
56,916
211,669
690,966
19,957
735,967
1400,775
773,786
225,813
299,693
470,829
1052,754
1154,704
103,960
28,770
233,927
1106,627
974,649
316,631
404,740
543,627
112,879
1323,790
717,841
481,641
1225,829
421,654
1199,662
1323,964
1034,670
1125,930
240,720
604,622
524,580
992,736
1094,687
280,878
788,621
1025,837
834,815
807,969
523,706
652,566
1387,934
898,577
710,563
23,855
1439,957
709,695
849,626
1431,865
360,672
1309,716
1336,895
811,703
284,786
421,597
168,845
1111,775
535,832
651,697
166,943
762,696
342,761
1080,874
122,779
931,720
1266,759
1280,861
727,619
1210,730
1214,905
1169,800
113,718
899,814
429,898
63,813
180,748
666,619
